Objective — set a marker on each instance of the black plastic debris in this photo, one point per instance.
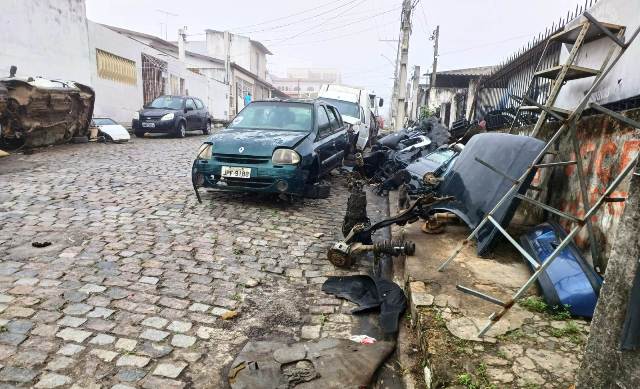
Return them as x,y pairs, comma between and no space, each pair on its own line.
370,293
40,244
328,363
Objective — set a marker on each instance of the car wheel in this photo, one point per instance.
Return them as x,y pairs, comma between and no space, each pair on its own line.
139,133
207,129
181,131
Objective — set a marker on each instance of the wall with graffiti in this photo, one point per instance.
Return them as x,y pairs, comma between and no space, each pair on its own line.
606,147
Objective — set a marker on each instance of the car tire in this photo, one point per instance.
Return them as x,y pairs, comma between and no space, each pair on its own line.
207,129
181,130
139,133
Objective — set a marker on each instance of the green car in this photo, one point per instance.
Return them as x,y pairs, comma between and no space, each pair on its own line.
274,146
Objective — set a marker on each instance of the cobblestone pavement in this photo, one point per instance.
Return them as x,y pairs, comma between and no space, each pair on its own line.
132,290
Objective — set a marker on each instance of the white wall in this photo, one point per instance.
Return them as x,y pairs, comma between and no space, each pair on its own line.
119,100
45,38
624,79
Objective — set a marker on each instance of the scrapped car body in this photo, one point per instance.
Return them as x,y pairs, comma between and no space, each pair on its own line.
42,112
477,189
112,130
274,146
355,106
433,165
172,115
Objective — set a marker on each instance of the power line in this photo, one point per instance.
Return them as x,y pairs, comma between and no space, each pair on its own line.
484,45
346,24
300,20
285,17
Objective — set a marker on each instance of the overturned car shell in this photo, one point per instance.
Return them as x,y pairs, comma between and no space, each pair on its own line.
43,112
477,189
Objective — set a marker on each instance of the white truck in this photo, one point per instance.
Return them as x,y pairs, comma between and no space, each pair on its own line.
356,107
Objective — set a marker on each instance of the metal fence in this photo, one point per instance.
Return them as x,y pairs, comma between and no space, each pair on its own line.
514,76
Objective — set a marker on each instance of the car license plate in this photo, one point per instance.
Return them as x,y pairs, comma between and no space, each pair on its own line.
236,172
148,125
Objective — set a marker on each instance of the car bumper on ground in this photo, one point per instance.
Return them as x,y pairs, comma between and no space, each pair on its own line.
265,178
153,125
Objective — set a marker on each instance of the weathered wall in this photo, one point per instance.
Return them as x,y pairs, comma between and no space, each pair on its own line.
45,38
119,100
605,148
603,365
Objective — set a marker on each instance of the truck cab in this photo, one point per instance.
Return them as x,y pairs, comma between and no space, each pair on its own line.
356,107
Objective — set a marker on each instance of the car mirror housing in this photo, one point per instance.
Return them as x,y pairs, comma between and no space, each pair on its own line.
380,103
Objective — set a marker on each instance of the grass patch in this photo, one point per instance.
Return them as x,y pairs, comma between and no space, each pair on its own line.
537,304
479,380
512,335
570,330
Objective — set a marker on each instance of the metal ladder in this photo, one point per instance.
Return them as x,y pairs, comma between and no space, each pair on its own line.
589,30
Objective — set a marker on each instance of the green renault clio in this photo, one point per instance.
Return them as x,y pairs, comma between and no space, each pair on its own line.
273,146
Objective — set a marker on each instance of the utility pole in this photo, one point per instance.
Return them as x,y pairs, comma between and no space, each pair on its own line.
432,83
415,83
182,41
401,85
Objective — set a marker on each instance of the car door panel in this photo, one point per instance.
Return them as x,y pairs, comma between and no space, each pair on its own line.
191,115
323,145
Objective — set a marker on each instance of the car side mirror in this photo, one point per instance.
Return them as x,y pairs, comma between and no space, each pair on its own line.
380,103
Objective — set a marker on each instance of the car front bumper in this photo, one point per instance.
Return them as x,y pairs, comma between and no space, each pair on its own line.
265,177
158,125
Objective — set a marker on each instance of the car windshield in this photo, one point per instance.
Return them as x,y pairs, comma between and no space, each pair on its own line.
274,116
167,102
344,107
103,122
440,156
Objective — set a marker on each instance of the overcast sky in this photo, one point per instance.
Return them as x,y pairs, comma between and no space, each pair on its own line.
348,34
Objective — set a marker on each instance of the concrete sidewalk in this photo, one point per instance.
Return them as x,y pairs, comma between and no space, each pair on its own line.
529,348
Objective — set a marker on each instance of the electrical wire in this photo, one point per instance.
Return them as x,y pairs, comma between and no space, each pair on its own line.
285,17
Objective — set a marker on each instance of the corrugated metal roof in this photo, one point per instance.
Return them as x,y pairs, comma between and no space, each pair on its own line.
477,71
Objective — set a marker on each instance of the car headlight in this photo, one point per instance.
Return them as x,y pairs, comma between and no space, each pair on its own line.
285,157
205,151
168,116
136,115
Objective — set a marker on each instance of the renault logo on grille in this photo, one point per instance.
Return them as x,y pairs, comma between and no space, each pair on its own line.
241,149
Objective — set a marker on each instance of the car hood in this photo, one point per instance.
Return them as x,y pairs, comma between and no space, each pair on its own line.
254,142
156,112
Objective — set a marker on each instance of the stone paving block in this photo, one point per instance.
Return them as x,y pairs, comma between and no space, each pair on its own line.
92,288
77,309
126,344
149,280
179,326
101,312
198,307
154,335
169,370
183,341
165,383
102,339
71,321
70,349
70,334
132,360
52,380
17,374
155,322
130,374
60,363
105,355
310,332
154,350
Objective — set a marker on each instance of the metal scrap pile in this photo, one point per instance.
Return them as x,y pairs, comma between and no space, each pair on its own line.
38,112
392,160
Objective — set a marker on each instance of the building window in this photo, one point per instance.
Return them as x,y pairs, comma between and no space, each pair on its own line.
115,68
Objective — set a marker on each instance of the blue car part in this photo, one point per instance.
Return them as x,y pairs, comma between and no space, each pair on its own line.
569,280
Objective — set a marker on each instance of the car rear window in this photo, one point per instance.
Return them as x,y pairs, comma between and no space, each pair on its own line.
275,116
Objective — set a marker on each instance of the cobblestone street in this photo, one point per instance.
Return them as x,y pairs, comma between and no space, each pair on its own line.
134,287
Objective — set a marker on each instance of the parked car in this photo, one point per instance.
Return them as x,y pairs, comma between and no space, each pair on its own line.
276,146
111,130
357,108
172,115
